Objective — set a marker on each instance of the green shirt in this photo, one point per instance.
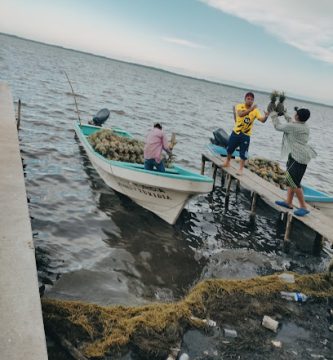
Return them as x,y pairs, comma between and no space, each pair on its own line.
295,139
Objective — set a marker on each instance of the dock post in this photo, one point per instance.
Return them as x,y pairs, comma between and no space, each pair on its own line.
288,227
253,207
214,176
237,186
18,119
203,163
222,177
227,194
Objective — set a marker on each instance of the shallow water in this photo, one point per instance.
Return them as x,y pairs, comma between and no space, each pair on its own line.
96,245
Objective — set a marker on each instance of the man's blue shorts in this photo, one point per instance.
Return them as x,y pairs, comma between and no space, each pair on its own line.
241,140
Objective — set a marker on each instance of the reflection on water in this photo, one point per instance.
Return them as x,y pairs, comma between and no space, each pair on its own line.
96,245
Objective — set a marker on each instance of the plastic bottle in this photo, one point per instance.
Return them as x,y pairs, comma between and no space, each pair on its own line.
294,296
184,356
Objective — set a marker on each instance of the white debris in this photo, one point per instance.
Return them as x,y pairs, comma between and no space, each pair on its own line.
270,323
230,333
276,343
208,322
184,356
288,278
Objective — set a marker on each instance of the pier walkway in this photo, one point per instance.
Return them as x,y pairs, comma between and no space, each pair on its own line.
269,193
22,334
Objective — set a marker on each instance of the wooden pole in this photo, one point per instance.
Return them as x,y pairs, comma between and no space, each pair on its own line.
288,227
77,108
253,206
227,193
222,177
229,180
203,163
214,176
18,119
237,186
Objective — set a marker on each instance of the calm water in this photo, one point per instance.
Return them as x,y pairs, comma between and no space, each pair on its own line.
94,244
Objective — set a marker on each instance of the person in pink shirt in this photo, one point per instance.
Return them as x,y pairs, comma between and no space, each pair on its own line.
156,141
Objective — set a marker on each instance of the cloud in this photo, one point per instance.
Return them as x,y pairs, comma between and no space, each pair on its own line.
182,42
304,24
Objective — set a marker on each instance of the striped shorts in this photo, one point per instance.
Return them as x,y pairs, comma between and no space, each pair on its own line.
294,173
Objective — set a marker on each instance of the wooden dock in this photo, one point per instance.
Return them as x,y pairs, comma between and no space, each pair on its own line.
269,193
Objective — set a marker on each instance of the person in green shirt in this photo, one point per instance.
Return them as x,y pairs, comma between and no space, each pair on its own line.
295,145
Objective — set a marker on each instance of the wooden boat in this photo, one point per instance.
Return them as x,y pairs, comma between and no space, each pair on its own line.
164,194
319,199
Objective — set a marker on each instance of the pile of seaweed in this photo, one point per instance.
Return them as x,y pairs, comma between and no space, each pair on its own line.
115,147
97,332
268,170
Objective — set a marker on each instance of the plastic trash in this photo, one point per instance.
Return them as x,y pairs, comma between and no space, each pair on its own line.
230,333
210,323
294,296
184,356
270,323
276,343
288,278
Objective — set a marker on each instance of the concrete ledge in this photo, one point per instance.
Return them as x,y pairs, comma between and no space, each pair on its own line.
21,324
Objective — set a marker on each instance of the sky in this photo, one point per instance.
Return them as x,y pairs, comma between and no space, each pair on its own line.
263,44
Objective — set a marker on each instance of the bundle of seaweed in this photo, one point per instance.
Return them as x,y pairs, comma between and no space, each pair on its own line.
119,148
269,170
273,96
96,331
279,107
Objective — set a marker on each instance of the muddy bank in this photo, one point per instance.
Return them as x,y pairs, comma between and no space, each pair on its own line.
150,332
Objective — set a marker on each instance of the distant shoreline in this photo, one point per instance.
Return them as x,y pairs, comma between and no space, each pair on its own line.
166,71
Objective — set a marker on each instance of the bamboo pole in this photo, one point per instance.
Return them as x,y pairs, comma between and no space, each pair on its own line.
77,108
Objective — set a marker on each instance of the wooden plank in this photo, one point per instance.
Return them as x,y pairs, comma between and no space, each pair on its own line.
316,220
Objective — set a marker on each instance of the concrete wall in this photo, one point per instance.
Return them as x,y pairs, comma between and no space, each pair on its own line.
21,324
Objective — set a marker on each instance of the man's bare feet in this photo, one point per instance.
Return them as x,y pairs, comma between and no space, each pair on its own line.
226,164
239,172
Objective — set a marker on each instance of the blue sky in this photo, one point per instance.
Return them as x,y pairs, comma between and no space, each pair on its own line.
262,44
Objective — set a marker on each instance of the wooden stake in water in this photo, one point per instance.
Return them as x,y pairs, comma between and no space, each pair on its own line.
77,108
18,119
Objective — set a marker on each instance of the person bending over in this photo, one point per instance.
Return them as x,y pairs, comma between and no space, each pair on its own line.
156,141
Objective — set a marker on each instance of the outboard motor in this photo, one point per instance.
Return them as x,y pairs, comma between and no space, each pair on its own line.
100,118
221,138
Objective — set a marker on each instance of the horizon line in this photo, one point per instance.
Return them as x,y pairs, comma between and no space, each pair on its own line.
167,71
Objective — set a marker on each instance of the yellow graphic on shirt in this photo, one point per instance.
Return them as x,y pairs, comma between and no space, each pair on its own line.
244,124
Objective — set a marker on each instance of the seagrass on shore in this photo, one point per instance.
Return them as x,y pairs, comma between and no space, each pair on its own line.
97,331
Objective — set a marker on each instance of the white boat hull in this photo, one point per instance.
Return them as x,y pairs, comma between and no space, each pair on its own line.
164,196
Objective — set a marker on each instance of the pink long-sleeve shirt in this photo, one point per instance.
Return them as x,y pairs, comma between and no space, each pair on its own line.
156,141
